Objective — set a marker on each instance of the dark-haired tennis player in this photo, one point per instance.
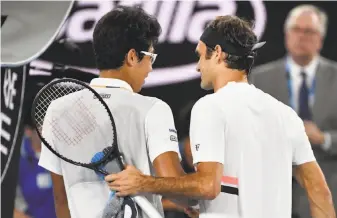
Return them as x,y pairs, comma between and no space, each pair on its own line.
123,42
244,142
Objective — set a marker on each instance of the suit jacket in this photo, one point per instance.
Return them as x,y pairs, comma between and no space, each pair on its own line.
272,79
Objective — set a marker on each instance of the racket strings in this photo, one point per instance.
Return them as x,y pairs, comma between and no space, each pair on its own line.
79,120
48,95
42,107
51,94
79,123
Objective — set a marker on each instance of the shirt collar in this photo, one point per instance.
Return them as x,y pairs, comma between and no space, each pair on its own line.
106,82
310,69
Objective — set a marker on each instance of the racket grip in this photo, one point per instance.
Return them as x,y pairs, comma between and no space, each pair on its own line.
147,207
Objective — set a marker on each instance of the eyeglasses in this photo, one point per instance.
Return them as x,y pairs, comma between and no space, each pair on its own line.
306,31
152,55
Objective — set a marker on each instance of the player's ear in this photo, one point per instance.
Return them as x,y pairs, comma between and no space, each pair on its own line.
219,55
131,58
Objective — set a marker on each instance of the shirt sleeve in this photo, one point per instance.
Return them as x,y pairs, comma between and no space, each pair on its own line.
160,131
301,147
48,160
207,132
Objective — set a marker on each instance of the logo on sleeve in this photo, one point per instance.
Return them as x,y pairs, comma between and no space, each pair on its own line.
173,131
173,138
197,147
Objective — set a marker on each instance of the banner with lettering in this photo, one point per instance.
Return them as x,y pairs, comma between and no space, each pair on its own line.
174,78
182,24
13,82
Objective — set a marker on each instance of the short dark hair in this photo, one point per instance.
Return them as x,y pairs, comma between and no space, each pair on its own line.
239,32
120,30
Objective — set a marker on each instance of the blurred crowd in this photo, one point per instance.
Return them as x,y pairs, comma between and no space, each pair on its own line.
301,78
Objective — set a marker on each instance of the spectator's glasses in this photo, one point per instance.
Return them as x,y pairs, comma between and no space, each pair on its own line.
305,31
152,55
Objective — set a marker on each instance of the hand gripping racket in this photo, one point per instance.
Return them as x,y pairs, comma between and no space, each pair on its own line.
74,123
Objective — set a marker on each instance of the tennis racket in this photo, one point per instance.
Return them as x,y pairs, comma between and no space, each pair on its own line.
74,123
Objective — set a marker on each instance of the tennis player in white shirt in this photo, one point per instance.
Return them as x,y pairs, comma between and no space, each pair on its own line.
244,142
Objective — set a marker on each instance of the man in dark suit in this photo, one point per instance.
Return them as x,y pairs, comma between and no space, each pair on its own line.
308,83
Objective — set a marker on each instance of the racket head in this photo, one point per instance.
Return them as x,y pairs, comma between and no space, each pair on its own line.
75,120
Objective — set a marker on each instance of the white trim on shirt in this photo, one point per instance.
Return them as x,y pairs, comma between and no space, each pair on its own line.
111,82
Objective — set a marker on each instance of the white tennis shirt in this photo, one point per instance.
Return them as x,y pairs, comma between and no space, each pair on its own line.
257,139
145,129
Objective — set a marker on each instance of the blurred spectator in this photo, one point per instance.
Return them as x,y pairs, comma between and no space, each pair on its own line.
307,82
34,196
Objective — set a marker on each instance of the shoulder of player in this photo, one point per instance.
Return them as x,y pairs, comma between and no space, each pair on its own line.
151,101
161,106
290,116
153,105
57,103
62,102
207,102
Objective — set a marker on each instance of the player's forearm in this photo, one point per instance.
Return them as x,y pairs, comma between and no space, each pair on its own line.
311,178
321,204
62,210
196,186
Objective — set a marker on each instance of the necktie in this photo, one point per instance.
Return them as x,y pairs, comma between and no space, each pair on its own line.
304,109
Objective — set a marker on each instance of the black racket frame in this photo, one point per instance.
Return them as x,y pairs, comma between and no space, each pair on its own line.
110,153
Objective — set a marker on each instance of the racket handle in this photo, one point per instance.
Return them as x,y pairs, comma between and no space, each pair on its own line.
121,162
147,207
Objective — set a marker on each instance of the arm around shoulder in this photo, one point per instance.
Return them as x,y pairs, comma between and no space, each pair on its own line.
208,159
205,184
